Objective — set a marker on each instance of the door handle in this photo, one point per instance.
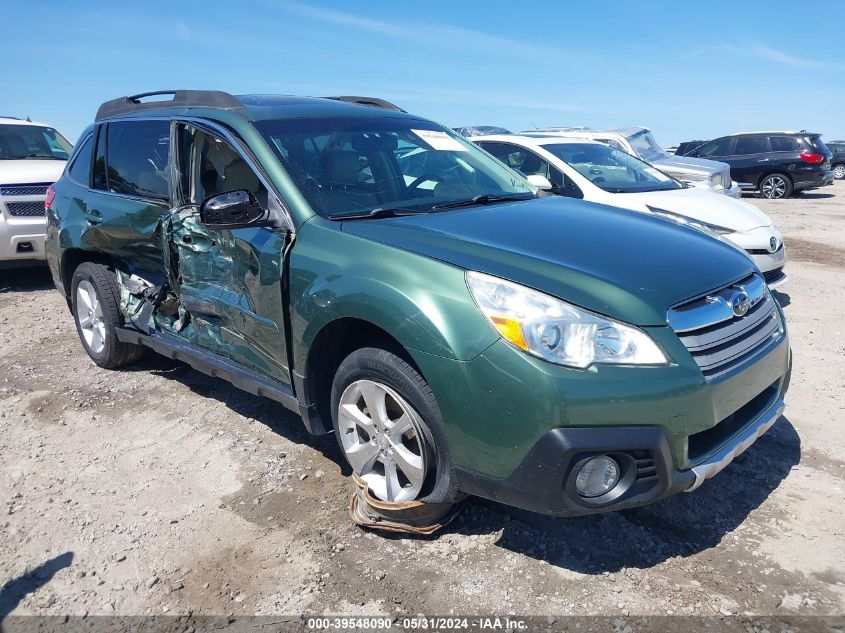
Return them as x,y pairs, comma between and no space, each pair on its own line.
94,217
764,160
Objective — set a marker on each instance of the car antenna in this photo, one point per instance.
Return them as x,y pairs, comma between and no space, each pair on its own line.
28,119
534,124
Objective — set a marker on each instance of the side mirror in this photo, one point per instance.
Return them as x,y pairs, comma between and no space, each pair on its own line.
541,182
231,209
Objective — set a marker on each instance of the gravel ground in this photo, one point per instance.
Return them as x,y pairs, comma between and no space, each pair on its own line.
159,490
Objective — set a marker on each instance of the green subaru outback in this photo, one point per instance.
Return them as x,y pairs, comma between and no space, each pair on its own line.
389,281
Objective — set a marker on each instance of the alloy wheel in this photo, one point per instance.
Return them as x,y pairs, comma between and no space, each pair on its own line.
382,439
839,171
89,315
773,187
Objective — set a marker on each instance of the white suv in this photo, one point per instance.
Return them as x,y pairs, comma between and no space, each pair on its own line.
32,157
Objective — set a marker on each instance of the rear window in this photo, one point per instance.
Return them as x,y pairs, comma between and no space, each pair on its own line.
784,143
137,156
817,144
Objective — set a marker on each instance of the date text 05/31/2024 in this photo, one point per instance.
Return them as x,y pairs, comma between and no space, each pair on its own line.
492,623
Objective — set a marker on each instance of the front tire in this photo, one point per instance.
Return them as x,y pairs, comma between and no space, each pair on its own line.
775,186
95,301
390,429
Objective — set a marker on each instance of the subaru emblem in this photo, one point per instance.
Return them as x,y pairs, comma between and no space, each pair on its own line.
773,244
740,303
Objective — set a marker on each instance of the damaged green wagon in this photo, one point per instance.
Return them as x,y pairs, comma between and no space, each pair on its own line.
458,330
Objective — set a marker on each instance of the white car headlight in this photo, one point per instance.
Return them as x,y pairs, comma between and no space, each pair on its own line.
692,222
558,331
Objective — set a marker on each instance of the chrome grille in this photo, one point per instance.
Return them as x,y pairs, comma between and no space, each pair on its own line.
24,190
25,209
717,339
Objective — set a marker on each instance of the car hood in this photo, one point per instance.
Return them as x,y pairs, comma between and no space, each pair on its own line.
31,170
690,165
629,266
702,204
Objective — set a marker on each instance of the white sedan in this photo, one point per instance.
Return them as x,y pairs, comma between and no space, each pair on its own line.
593,171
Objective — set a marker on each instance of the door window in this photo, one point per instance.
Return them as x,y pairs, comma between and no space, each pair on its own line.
133,159
751,145
209,165
719,147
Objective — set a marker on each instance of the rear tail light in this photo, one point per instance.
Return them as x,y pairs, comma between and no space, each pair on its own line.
812,157
51,195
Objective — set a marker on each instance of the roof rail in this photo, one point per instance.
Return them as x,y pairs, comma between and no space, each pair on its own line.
181,98
373,102
16,118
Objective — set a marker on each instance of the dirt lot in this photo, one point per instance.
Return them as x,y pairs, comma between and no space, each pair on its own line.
160,490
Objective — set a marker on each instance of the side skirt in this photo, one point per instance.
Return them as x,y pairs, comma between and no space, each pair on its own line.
212,364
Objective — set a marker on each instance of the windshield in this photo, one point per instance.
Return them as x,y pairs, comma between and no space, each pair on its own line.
646,147
611,169
356,165
18,142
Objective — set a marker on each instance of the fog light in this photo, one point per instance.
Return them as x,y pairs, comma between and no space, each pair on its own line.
597,476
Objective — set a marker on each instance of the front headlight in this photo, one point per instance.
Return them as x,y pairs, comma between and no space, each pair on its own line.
716,181
692,222
557,331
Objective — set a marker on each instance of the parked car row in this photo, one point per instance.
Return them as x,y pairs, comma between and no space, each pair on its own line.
774,164
639,142
597,172
459,330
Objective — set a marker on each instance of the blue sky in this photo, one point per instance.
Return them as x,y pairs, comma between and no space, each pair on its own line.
686,70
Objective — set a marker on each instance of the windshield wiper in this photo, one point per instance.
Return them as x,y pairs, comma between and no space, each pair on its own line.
374,214
50,156
486,198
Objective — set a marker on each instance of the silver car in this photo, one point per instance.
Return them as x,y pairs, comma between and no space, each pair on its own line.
639,142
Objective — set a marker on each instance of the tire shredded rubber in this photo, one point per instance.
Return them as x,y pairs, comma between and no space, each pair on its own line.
412,517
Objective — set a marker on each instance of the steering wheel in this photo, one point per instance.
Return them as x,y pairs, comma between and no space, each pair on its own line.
597,180
424,178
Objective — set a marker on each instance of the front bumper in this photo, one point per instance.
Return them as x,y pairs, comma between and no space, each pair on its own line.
545,481
756,244
22,238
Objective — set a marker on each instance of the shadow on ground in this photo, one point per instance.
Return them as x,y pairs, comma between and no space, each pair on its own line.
263,410
25,279
814,195
14,591
782,298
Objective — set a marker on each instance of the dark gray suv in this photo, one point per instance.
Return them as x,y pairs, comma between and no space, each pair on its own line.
775,164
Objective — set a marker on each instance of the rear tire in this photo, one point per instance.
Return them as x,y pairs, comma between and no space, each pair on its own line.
839,171
95,302
775,186
379,379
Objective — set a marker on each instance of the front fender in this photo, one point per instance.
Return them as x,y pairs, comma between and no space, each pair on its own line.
422,302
